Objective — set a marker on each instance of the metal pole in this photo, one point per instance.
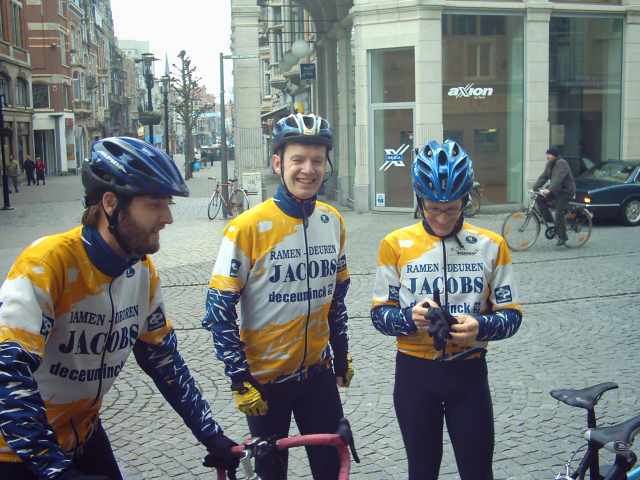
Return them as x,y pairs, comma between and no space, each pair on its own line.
166,116
223,139
5,178
150,110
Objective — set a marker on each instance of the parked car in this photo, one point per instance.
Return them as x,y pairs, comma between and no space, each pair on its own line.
612,189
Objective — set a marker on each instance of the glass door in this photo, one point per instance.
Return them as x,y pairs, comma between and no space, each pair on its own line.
392,156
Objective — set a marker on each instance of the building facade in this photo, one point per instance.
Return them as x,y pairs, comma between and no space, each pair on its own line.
15,80
506,79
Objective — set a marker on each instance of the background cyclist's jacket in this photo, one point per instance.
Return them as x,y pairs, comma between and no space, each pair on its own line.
290,280
475,266
71,312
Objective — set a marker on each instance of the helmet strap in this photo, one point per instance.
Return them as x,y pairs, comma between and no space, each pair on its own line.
113,221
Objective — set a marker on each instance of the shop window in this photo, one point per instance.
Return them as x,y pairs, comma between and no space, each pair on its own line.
393,75
585,85
483,98
40,95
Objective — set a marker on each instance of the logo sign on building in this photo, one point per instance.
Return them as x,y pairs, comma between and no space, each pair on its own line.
470,91
307,71
380,200
394,157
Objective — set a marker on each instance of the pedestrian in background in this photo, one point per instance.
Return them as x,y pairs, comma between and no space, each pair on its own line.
29,168
13,169
40,171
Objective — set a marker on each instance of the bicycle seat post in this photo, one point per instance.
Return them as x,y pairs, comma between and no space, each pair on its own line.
594,468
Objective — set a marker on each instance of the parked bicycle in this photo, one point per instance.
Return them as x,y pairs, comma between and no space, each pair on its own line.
238,200
616,439
522,228
342,440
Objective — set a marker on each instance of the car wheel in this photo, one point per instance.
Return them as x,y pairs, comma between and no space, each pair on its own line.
631,212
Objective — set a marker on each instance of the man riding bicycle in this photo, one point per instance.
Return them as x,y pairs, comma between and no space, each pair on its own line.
443,264
75,305
284,261
560,191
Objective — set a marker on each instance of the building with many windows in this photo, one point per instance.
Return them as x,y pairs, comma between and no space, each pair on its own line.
15,80
506,79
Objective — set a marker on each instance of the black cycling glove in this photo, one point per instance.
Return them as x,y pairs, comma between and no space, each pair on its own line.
221,456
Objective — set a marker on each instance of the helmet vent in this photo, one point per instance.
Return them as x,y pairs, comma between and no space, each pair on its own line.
308,120
442,158
141,167
455,150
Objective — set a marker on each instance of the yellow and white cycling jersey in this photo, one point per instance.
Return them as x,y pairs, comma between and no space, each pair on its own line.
290,280
66,331
472,272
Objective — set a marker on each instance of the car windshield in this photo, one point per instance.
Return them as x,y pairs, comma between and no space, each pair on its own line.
613,171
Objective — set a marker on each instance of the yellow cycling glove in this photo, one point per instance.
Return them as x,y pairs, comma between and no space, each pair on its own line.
249,400
348,375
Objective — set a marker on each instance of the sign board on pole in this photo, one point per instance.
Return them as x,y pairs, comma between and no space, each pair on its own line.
307,71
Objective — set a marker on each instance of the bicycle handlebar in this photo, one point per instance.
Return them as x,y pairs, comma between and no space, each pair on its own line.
342,441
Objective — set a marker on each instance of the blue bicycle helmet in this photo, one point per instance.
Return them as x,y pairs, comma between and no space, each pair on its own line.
130,167
302,128
442,172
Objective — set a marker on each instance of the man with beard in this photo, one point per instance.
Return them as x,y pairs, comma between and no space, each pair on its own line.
75,305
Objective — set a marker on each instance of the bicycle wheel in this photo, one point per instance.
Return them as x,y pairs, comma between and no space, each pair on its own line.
214,205
473,205
520,230
579,227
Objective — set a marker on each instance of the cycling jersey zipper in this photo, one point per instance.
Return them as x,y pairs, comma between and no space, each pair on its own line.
305,222
444,270
106,344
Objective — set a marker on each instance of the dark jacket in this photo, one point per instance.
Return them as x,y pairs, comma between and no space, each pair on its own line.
559,173
29,165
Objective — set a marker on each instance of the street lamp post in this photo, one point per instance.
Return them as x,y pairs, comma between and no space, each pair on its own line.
166,85
147,71
5,179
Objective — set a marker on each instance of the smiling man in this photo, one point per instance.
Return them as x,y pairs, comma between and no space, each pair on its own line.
284,261
75,305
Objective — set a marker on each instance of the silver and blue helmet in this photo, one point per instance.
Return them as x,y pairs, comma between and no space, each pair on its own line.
302,128
442,172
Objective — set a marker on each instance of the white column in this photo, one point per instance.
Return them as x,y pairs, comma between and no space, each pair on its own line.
631,83
247,82
342,126
428,52
537,90
362,180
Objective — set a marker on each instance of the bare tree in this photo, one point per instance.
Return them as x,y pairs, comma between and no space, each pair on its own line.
188,91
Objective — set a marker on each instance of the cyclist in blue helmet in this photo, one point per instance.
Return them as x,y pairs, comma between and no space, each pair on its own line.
445,289
284,262
72,309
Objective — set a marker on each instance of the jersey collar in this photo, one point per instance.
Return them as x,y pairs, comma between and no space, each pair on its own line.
103,256
292,206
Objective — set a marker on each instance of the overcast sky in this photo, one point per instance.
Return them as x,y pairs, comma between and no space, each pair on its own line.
201,27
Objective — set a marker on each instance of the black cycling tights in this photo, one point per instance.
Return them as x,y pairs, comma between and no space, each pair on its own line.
97,459
428,392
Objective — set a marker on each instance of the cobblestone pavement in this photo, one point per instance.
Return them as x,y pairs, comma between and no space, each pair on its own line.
580,327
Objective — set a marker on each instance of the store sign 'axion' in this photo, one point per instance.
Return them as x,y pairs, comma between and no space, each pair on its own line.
470,91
